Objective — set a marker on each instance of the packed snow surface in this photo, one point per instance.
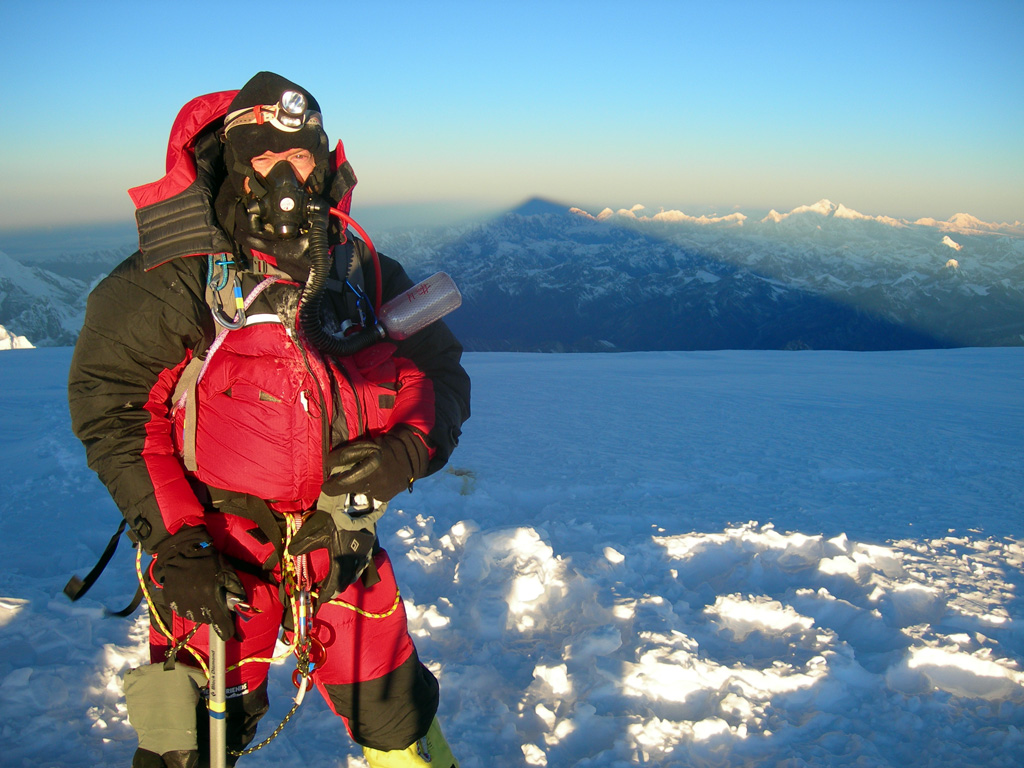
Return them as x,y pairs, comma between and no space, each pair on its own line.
667,559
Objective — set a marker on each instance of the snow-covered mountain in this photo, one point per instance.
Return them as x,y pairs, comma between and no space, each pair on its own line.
39,304
552,277
10,341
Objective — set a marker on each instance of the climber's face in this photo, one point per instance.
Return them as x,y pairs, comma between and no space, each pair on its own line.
301,161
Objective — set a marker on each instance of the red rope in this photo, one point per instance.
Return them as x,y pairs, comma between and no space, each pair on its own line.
348,221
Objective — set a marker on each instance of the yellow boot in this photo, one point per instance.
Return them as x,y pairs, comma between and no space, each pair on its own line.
432,750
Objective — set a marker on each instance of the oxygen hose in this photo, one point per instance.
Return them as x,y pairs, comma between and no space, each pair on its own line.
402,316
313,294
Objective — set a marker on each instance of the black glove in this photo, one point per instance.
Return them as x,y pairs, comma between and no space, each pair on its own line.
197,580
350,551
380,468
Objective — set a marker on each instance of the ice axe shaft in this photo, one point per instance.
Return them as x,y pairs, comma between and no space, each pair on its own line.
218,694
218,707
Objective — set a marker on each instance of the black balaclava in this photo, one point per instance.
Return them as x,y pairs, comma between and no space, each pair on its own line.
274,216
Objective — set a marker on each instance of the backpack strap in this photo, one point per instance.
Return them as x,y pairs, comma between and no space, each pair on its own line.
186,390
217,296
185,395
77,587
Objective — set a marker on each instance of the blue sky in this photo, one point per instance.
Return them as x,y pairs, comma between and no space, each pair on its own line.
904,109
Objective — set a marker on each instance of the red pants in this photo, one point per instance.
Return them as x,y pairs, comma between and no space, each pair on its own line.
370,676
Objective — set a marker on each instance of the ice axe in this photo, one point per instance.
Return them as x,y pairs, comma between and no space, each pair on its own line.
218,694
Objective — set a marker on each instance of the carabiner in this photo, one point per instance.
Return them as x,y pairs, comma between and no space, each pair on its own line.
220,317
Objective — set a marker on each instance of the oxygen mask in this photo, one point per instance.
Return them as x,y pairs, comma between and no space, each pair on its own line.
280,208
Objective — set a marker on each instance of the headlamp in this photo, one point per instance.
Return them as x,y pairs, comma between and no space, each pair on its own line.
294,103
290,114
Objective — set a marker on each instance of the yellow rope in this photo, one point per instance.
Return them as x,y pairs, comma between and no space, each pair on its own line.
367,614
288,571
155,615
290,575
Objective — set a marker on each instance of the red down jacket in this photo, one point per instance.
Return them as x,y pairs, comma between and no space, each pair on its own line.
270,407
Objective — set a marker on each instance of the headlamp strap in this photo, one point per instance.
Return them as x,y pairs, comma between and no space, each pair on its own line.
245,170
264,113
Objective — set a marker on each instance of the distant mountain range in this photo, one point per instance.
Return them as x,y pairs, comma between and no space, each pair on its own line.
550,277
822,276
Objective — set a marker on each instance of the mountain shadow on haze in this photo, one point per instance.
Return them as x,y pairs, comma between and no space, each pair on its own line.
539,206
542,278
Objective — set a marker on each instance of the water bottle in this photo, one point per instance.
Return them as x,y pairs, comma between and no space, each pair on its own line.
421,305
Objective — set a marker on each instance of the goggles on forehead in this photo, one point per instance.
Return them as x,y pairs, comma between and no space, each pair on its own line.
290,114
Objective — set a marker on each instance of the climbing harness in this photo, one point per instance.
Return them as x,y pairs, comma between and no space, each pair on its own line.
304,644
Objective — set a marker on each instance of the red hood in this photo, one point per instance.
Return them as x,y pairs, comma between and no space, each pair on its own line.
193,118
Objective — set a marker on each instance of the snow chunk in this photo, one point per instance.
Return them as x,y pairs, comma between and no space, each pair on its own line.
955,672
9,608
657,736
556,677
909,604
523,567
425,619
613,555
742,615
534,755
600,641
840,566
710,729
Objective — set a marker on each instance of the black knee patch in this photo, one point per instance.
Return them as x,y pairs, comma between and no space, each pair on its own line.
392,711
243,715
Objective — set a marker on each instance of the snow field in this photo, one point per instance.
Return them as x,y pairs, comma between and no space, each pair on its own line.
699,559
718,674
